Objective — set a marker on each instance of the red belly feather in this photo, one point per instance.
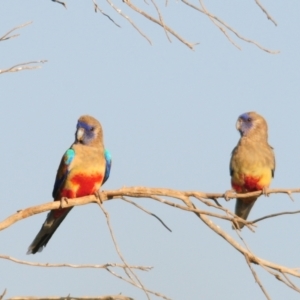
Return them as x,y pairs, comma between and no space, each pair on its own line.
251,184
86,183
86,186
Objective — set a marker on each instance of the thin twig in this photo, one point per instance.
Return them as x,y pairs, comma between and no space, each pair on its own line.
81,266
129,20
60,2
24,66
266,12
146,211
275,215
219,26
161,20
3,294
110,297
230,28
256,278
6,35
97,8
174,33
120,254
134,284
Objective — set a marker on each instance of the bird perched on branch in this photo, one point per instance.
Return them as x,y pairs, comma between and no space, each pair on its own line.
252,163
84,167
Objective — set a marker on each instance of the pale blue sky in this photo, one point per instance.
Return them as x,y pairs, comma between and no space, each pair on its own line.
168,115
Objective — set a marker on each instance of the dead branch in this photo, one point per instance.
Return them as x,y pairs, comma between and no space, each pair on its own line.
147,212
32,65
7,35
81,266
134,278
167,28
129,20
276,215
280,272
110,297
60,2
97,8
265,12
257,278
3,294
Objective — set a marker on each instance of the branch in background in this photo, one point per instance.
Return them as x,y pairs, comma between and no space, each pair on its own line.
225,25
97,8
3,294
167,28
32,65
7,35
129,20
60,2
222,25
265,12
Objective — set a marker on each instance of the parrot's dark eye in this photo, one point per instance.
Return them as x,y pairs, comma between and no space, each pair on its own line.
92,128
249,119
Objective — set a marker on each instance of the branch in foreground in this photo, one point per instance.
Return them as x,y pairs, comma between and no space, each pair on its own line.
280,272
82,266
110,297
134,279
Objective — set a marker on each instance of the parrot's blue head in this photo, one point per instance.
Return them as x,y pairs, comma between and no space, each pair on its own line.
252,123
88,131
244,123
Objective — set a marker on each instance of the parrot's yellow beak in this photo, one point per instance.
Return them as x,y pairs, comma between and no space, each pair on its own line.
79,134
238,124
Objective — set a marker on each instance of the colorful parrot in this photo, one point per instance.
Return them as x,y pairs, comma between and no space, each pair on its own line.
84,167
252,163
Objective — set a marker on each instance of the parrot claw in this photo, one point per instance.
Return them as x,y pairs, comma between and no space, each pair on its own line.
62,200
265,191
227,194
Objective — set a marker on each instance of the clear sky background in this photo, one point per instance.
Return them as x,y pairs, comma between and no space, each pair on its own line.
168,115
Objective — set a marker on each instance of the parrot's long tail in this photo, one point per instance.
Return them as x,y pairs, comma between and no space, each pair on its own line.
243,207
54,218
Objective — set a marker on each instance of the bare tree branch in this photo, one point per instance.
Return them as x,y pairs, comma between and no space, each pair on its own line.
110,297
65,265
31,65
60,2
152,19
275,215
280,272
7,35
129,272
211,16
3,294
266,12
257,279
146,211
97,8
129,20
